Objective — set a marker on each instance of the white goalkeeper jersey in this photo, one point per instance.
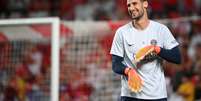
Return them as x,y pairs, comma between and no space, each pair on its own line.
127,41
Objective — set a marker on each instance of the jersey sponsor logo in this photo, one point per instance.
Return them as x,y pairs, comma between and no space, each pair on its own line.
153,42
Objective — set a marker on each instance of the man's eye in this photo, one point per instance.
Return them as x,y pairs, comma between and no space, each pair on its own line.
134,3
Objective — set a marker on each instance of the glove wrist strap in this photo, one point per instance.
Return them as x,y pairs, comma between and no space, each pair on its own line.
157,49
127,70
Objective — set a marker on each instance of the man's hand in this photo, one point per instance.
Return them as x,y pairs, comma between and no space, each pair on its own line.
134,81
147,53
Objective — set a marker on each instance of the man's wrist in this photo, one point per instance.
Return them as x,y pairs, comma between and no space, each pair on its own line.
157,49
127,69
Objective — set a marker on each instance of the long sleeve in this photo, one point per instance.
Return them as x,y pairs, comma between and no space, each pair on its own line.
117,65
171,55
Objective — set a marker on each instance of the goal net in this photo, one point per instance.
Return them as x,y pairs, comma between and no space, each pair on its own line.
29,60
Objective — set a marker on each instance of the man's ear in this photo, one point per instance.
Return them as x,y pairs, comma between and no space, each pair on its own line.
145,4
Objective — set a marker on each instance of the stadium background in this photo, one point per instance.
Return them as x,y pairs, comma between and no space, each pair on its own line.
87,29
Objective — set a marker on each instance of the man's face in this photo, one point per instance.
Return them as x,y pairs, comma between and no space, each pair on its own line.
136,8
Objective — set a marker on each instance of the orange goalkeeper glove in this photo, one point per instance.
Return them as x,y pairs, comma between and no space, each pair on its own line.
134,80
147,52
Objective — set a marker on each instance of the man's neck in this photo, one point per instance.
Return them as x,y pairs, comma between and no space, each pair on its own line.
141,24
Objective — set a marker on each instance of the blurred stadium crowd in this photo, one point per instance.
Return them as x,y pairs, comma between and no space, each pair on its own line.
185,80
94,9
25,67
24,71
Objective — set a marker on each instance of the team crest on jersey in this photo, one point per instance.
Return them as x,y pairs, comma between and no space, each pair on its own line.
153,42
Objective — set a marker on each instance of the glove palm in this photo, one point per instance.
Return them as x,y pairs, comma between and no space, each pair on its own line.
134,81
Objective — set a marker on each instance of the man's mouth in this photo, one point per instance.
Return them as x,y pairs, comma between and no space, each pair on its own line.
133,12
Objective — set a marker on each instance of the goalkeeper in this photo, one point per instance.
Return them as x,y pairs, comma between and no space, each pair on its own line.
137,51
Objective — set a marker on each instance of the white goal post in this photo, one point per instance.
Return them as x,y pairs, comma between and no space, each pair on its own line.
55,31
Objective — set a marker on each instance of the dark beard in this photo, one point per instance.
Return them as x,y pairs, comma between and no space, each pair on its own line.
136,18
